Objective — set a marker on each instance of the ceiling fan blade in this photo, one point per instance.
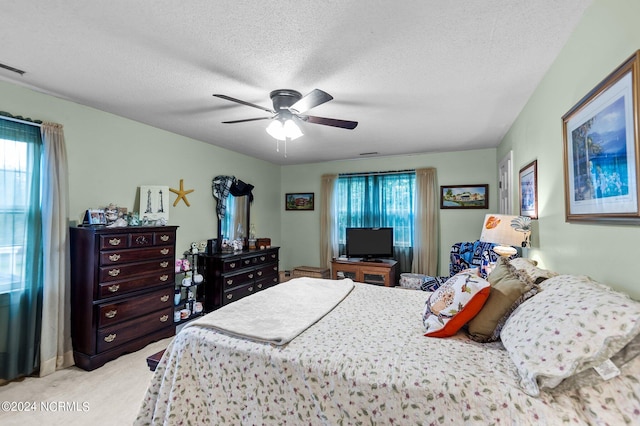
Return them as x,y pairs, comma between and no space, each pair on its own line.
247,119
344,124
313,99
229,98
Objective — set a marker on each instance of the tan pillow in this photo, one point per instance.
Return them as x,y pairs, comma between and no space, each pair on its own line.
507,289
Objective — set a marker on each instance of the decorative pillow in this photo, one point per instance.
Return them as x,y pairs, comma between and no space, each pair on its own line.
453,304
507,288
528,266
572,325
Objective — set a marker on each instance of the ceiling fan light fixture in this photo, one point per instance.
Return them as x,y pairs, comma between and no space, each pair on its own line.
291,130
288,130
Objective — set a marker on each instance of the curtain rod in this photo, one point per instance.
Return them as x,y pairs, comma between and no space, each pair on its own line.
18,120
390,172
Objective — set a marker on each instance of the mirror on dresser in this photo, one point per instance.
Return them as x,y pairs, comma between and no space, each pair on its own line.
234,199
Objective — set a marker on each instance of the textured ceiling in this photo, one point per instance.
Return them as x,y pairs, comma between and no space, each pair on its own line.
418,76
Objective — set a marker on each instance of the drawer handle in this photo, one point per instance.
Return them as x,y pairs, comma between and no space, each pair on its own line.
229,282
273,256
115,241
250,289
164,264
232,265
259,285
164,237
275,268
246,262
262,258
113,288
230,296
250,275
110,338
112,313
164,318
259,273
164,298
164,277
114,272
114,257
164,251
141,240
275,280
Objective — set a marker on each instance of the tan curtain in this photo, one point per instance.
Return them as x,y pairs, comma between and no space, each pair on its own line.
425,242
328,225
55,351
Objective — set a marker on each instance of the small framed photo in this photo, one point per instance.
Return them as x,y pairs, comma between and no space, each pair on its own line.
464,196
529,190
153,205
299,201
96,217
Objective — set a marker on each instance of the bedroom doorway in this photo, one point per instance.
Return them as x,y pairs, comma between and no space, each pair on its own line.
505,183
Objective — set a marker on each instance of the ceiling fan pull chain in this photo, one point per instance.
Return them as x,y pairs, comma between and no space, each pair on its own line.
285,146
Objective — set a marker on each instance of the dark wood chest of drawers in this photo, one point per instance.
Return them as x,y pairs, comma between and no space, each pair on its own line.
232,276
122,285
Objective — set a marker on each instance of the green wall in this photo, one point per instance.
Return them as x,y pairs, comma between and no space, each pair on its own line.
110,157
606,36
301,229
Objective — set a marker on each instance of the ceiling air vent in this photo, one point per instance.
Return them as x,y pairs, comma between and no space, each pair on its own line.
16,70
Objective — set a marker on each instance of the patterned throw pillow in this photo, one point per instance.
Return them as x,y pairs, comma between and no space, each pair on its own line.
508,290
529,267
573,324
453,304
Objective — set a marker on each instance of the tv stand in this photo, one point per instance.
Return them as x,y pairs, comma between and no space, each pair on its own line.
380,272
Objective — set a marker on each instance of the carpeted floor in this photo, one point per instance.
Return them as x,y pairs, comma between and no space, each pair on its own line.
109,395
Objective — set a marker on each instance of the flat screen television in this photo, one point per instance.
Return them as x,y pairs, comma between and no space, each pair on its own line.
370,244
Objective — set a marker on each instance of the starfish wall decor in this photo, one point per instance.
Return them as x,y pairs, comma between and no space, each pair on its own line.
182,194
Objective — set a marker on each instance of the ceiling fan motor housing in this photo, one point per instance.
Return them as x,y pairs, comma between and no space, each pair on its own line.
284,98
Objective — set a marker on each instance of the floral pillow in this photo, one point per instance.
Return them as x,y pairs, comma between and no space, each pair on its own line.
529,267
452,305
570,326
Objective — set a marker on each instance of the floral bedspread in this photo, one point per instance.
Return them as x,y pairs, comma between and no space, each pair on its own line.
367,362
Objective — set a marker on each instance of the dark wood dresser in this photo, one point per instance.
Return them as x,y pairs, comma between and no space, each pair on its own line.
232,276
122,288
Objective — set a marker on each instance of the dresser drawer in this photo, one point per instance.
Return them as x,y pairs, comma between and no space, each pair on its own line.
238,293
267,257
117,272
111,313
267,282
115,288
266,271
113,241
234,280
115,335
162,238
231,265
135,255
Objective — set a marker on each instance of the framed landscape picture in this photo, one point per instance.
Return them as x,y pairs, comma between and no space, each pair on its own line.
601,150
464,196
529,190
299,201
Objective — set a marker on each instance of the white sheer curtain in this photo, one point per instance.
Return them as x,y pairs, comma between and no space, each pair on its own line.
425,242
328,226
56,351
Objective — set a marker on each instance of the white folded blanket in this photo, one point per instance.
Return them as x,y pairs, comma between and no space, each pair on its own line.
280,313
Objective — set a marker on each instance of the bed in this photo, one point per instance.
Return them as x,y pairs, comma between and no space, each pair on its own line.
367,361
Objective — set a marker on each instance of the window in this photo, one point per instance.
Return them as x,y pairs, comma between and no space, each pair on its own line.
18,170
377,200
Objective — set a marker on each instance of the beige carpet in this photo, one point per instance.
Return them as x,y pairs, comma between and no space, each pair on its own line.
109,395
